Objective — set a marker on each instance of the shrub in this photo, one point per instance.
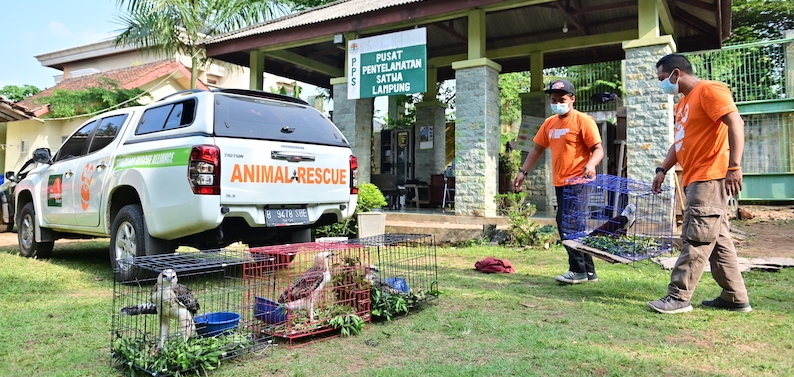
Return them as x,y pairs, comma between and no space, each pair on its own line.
369,198
523,231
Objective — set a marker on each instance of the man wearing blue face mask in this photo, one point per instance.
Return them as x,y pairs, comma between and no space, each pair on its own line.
709,142
575,145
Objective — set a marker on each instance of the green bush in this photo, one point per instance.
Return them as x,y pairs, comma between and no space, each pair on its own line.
369,198
523,231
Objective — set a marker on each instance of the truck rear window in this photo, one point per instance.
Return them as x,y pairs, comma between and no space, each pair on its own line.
257,118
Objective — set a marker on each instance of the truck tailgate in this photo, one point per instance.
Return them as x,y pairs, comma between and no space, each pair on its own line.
282,173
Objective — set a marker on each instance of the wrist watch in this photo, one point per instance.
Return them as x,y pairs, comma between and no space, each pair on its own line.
522,171
660,170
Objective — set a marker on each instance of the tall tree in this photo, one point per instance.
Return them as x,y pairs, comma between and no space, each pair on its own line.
510,86
176,27
18,93
759,20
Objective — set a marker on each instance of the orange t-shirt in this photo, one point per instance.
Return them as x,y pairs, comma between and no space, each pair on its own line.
570,140
701,138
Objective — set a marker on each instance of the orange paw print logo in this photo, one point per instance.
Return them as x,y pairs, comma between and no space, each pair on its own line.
85,190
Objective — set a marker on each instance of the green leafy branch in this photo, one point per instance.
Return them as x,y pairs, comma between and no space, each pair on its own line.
349,324
632,246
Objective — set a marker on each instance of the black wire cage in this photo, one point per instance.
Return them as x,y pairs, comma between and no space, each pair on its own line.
165,326
403,265
618,219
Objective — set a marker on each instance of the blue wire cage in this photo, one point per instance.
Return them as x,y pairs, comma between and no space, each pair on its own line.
591,218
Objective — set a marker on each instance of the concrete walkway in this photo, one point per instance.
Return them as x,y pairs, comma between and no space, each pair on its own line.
446,227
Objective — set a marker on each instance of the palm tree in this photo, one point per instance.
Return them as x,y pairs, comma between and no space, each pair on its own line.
174,27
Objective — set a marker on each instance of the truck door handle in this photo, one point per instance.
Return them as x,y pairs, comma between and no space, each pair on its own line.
68,174
100,167
292,156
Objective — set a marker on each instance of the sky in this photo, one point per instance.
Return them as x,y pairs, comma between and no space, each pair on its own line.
36,27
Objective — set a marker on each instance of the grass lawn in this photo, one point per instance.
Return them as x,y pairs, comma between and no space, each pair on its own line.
55,321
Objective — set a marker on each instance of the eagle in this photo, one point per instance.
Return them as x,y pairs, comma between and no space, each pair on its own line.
378,283
303,293
170,300
618,225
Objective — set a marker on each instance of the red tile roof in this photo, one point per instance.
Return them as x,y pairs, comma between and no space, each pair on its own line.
128,78
9,111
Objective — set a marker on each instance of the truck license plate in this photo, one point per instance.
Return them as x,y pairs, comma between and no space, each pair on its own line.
286,216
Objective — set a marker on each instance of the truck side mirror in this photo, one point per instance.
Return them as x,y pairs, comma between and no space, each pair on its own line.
10,176
42,155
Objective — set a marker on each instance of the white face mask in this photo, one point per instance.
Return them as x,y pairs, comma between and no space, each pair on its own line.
668,87
560,108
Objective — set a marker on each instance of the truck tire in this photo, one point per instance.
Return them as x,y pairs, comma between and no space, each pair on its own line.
129,238
26,234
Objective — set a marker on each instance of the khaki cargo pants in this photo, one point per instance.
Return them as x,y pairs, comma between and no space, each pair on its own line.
706,238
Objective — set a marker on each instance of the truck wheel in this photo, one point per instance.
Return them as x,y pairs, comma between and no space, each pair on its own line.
127,240
28,246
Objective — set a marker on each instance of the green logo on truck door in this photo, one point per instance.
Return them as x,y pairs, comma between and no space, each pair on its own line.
170,157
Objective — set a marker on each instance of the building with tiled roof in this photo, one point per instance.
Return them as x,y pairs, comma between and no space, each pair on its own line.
159,76
85,66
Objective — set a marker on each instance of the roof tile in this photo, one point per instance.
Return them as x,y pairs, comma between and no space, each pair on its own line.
128,78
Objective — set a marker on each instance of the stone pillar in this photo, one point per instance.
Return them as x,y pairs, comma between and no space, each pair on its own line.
477,133
649,112
354,119
538,185
433,160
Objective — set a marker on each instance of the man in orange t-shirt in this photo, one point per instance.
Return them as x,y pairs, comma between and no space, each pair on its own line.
575,151
709,141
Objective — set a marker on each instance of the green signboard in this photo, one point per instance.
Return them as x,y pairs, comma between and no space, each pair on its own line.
388,64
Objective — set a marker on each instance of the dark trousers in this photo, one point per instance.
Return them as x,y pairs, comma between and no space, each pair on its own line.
569,221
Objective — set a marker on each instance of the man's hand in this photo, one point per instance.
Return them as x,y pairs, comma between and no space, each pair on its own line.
517,182
589,172
733,182
656,185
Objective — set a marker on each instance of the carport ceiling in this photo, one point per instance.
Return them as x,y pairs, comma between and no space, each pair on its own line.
301,47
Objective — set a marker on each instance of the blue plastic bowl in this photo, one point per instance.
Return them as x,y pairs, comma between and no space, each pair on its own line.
212,324
398,283
267,311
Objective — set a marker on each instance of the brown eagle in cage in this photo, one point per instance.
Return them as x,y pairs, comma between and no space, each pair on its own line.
170,300
618,225
303,293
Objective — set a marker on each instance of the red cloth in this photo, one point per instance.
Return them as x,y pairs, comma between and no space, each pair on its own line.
492,264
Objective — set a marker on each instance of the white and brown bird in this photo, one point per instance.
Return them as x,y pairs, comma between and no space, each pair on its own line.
169,300
303,293
378,283
618,225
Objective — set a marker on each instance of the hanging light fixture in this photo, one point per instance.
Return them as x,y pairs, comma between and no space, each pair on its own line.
565,27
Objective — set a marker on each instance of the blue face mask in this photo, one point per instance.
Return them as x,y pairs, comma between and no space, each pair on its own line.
668,87
560,108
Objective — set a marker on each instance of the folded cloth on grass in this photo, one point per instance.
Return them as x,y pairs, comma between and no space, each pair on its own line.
492,264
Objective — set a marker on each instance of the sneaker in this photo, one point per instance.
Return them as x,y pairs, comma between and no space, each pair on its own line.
719,303
571,277
670,305
591,277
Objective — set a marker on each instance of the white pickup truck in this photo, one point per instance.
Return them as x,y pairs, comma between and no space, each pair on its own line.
197,168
